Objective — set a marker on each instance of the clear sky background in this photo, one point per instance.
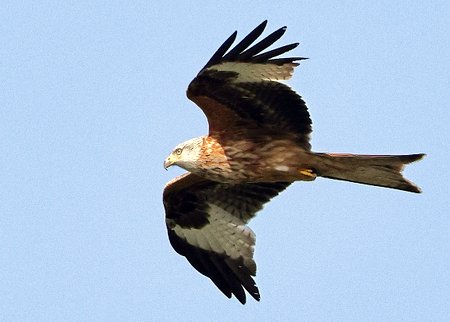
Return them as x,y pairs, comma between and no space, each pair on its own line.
92,99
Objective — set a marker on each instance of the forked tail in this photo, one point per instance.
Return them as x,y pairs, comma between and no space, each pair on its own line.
376,170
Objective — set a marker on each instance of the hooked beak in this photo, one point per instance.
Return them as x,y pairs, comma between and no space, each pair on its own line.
168,162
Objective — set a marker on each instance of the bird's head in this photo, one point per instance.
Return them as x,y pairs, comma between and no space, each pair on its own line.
185,154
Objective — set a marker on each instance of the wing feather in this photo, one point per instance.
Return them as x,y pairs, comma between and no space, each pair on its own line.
241,88
261,58
206,223
235,53
217,57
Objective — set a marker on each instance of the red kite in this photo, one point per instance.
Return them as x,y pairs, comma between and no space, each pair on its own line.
258,144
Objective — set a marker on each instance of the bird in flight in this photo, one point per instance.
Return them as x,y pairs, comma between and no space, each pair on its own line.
258,144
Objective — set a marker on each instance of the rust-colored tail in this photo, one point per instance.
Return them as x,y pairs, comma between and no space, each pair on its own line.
376,170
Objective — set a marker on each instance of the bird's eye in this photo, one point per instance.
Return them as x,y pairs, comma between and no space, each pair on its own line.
178,151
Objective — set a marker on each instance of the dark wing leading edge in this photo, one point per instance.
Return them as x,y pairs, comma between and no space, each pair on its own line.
242,88
206,223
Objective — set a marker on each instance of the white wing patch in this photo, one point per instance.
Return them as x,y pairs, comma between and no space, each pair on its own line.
225,234
283,168
251,72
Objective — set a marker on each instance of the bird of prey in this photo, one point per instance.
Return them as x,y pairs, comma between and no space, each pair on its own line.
258,144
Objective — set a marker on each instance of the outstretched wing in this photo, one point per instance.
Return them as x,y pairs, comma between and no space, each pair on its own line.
241,88
206,223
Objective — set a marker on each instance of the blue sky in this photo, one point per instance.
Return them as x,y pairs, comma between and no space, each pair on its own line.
93,99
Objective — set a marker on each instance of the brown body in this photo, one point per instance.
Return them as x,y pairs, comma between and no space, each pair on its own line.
264,158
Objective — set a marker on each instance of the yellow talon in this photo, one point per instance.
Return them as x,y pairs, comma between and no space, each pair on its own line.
307,173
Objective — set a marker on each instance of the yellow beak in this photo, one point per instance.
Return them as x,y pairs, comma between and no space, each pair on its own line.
168,162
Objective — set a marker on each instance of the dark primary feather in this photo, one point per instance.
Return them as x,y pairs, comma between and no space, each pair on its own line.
234,54
261,58
186,202
260,46
242,54
266,105
221,51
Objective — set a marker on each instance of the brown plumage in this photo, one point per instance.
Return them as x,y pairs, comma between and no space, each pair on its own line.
258,143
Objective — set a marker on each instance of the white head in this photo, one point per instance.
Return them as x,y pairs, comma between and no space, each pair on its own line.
185,154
